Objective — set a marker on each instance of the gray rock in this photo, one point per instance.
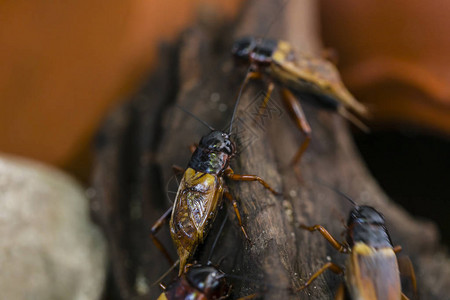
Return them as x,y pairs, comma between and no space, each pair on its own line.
49,248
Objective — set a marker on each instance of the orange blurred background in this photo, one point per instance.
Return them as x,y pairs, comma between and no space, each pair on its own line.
65,63
393,56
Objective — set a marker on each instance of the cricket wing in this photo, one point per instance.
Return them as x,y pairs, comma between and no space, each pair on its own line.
195,207
314,75
373,274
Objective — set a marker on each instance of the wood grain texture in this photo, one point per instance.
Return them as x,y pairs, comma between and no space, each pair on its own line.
146,136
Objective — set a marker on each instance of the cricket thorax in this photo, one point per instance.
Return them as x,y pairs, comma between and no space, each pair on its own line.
198,283
209,280
213,153
208,162
180,289
366,225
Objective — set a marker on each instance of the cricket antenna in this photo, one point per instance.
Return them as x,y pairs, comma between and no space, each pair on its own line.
346,197
276,16
250,68
239,98
195,117
337,192
166,273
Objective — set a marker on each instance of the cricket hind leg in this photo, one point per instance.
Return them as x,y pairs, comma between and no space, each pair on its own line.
296,113
236,211
331,266
154,230
404,297
269,91
407,271
340,293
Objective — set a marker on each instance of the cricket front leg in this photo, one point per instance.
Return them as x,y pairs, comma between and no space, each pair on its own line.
338,246
177,170
237,177
250,75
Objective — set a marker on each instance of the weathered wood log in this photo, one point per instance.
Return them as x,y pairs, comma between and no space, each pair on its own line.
140,142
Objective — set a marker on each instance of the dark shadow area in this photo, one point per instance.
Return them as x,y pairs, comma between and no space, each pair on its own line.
413,169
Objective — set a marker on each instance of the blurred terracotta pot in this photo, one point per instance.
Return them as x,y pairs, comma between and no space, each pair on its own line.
394,57
65,63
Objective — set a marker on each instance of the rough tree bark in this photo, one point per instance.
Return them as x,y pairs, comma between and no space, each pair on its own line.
140,141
